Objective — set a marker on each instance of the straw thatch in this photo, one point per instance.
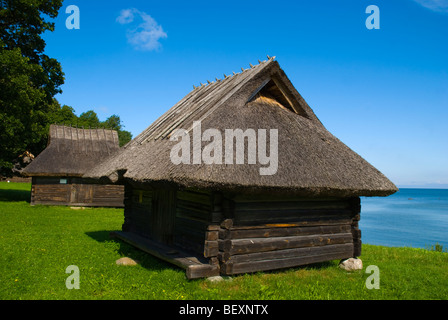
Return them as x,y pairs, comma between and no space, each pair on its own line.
73,151
311,161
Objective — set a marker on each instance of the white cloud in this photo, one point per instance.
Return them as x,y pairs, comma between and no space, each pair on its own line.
126,16
146,35
434,5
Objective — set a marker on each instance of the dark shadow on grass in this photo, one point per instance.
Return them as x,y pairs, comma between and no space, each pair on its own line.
12,195
146,260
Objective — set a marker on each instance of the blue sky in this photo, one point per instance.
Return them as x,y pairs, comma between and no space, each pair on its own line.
383,92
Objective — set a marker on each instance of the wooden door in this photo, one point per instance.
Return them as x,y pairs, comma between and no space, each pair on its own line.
163,215
81,194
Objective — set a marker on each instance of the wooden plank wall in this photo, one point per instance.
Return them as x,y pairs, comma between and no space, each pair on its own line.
193,217
150,213
137,211
267,235
186,219
163,215
242,235
49,191
46,191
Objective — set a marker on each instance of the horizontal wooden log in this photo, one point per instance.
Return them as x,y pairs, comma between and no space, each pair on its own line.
50,203
296,222
193,215
195,197
291,205
202,271
213,227
290,215
96,204
263,265
212,235
214,261
275,198
282,231
50,200
211,249
243,246
227,224
189,205
346,248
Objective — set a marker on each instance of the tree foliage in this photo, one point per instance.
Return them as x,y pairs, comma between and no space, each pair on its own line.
65,115
29,79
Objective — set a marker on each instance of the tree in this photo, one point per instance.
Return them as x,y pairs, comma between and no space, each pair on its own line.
65,115
88,119
29,79
18,96
114,123
124,137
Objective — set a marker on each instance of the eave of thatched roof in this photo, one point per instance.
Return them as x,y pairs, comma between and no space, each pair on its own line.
311,161
72,151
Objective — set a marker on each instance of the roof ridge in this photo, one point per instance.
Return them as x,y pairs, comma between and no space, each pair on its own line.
235,73
164,125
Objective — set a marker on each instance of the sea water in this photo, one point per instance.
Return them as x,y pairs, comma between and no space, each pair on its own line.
409,218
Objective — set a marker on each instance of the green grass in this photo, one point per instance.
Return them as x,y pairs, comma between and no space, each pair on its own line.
38,243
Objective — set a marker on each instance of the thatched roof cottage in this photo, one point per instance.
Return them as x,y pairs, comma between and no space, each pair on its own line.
57,171
241,176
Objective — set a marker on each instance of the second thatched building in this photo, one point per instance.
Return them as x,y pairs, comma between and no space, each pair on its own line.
57,171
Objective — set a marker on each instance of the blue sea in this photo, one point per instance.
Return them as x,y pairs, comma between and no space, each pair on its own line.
409,218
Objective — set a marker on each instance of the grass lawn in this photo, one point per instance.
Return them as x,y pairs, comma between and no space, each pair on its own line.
38,243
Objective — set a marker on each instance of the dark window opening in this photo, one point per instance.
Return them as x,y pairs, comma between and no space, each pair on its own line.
270,93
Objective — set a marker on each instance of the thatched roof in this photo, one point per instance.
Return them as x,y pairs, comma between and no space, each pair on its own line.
311,161
72,151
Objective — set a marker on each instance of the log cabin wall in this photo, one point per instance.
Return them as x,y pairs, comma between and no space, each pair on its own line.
244,235
151,213
271,234
137,211
189,219
193,217
49,191
74,192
